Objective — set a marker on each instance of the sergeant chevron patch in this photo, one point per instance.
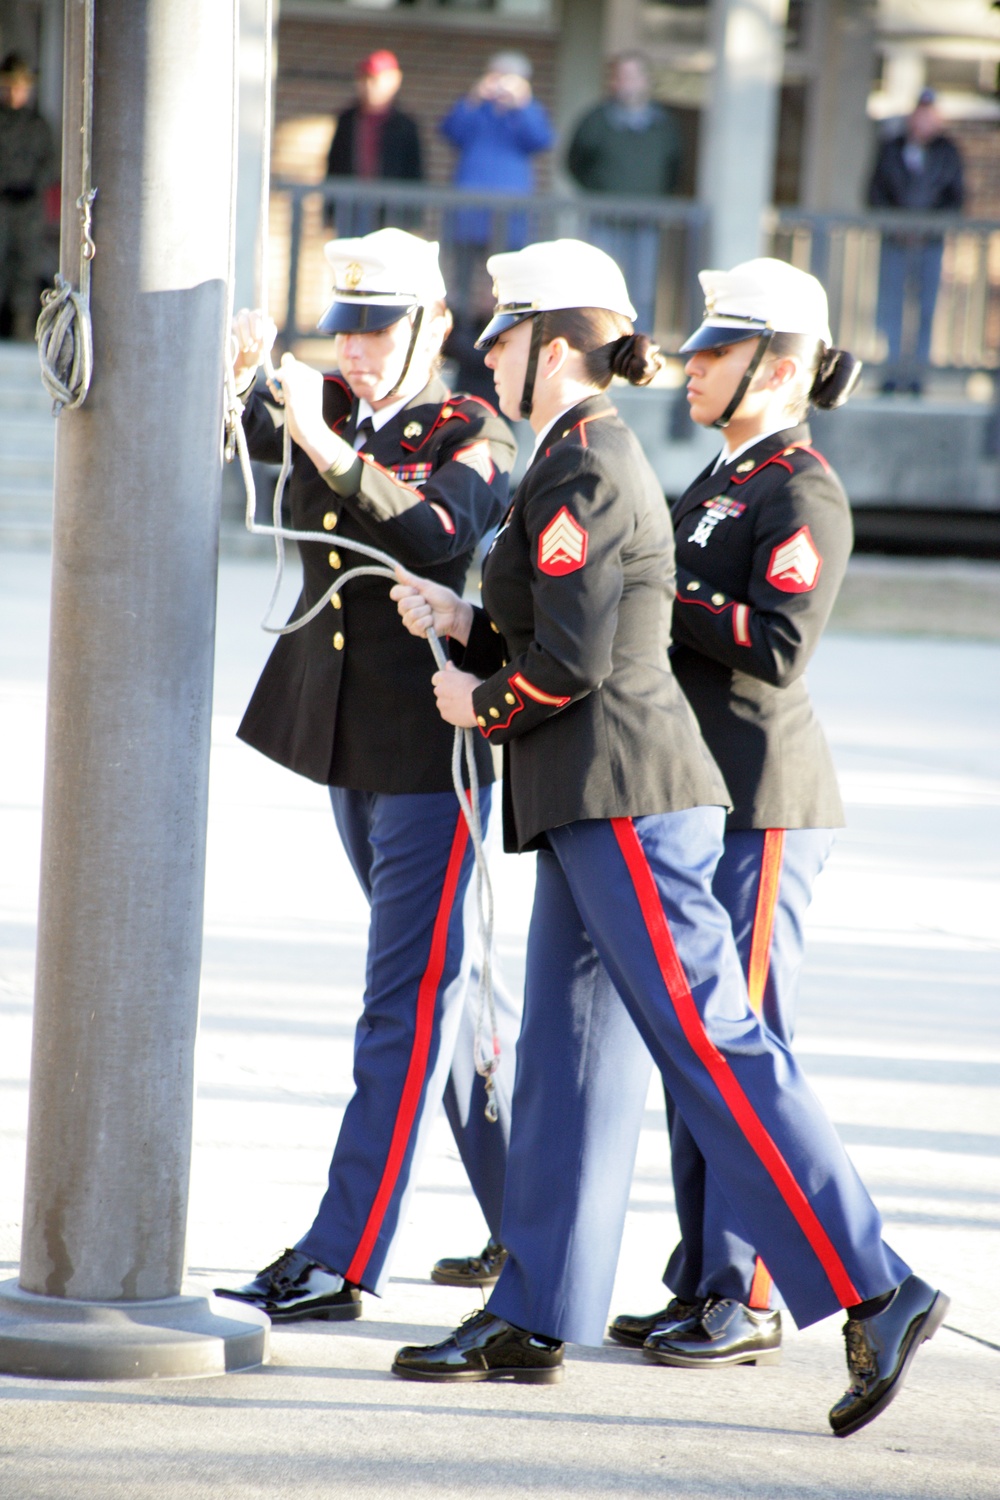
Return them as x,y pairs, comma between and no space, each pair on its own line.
795,564
562,546
477,456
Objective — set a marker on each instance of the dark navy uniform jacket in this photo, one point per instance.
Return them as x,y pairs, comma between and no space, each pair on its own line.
347,700
573,640
762,546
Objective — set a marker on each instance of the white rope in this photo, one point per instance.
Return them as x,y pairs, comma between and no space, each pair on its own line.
487,1058
63,331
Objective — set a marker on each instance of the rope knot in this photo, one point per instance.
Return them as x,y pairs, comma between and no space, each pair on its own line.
65,345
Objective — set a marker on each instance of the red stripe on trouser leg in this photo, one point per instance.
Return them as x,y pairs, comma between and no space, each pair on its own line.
760,1289
758,968
745,1116
416,1071
763,917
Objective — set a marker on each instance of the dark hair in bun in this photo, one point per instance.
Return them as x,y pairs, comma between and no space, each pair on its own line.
835,379
633,357
833,373
607,342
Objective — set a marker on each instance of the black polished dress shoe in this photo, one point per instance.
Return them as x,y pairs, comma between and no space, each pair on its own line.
633,1330
472,1270
724,1332
881,1349
295,1287
484,1347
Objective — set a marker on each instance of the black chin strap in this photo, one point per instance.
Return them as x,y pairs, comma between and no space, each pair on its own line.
763,344
531,369
414,335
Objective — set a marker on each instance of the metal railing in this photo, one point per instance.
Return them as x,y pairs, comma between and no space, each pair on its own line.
660,243
847,252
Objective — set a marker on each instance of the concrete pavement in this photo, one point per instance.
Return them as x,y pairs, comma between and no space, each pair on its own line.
900,1032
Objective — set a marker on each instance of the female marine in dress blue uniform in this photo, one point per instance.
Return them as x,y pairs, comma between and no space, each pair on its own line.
347,701
763,538
607,776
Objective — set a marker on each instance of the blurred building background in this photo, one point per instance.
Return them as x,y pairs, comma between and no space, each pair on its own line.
780,105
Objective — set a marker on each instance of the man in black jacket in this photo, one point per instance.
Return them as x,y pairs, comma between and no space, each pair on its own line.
28,164
920,170
373,139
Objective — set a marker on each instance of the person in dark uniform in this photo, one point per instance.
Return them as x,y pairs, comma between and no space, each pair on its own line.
385,455
607,776
763,538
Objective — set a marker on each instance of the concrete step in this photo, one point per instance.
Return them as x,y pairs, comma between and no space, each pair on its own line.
24,400
25,494
19,440
15,467
21,389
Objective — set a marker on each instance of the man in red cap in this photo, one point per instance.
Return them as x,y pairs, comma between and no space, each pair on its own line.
373,139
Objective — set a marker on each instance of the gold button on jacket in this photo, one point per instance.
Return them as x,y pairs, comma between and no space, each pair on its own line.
338,641
329,520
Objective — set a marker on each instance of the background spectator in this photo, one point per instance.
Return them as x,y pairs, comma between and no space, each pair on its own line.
920,169
373,139
630,145
496,130
27,166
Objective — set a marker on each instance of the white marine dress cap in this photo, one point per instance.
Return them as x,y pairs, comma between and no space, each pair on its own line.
758,296
548,277
378,278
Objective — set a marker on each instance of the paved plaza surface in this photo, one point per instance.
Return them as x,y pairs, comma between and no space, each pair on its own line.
899,1031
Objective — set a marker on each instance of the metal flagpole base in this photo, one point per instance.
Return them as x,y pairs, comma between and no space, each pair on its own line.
57,1338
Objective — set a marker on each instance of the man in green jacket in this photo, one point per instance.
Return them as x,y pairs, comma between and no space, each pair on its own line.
628,145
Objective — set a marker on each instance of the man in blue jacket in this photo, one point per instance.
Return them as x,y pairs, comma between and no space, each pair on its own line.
496,129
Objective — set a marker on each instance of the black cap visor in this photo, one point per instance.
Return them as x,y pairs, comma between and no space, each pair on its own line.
718,335
499,323
361,317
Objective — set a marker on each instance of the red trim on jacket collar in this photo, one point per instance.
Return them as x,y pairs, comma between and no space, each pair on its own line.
581,428
446,413
781,458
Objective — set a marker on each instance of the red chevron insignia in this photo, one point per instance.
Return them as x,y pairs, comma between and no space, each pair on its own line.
795,564
562,546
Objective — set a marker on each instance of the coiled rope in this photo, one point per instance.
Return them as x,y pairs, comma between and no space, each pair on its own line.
63,331
381,565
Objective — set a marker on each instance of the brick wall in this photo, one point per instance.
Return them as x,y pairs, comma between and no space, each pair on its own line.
316,61
979,142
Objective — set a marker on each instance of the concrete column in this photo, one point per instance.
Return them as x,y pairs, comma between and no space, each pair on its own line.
138,472
840,138
736,167
50,62
251,136
580,61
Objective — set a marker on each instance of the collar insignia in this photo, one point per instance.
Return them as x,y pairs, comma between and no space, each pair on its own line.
745,466
413,429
